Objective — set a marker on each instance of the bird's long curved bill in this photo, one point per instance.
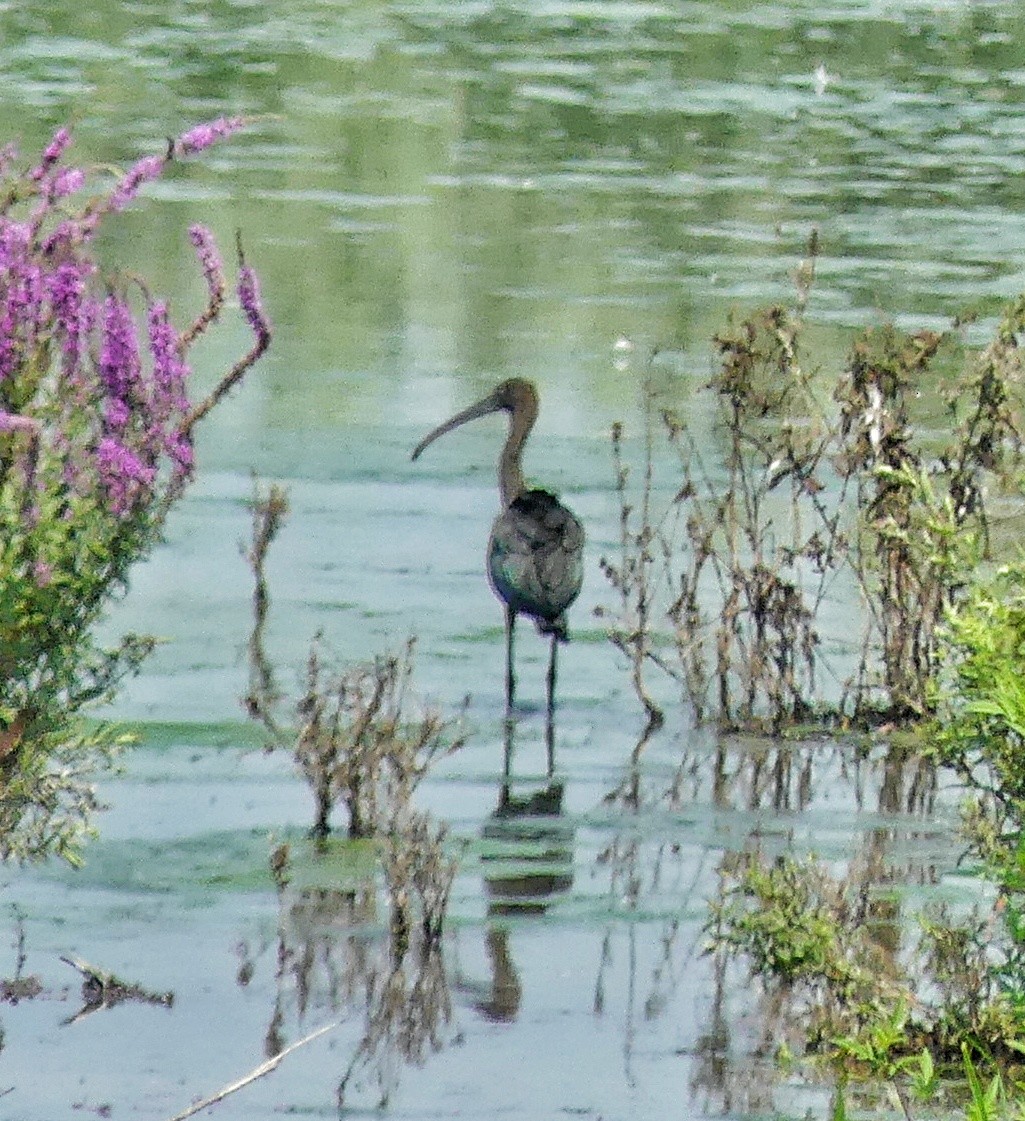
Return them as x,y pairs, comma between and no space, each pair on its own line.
488,405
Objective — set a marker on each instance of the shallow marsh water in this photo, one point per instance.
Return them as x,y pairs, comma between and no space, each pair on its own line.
437,196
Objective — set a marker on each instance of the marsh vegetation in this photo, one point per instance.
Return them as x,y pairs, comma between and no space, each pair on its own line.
807,520
871,485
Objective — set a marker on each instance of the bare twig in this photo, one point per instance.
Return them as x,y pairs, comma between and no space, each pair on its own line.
256,1073
103,989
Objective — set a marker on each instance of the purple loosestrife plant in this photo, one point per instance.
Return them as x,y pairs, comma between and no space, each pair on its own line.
96,445
202,136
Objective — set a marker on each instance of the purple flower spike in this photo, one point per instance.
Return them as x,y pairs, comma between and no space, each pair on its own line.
252,304
146,169
64,235
116,414
170,373
179,448
54,151
12,422
66,182
119,358
125,477
21,289
202,136
42,571
72,311
209,258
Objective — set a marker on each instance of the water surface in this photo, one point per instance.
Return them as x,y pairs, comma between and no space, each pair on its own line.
438,196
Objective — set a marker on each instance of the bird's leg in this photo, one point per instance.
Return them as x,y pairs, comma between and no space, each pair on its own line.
550,726
503,800
551,676
550,741
510,678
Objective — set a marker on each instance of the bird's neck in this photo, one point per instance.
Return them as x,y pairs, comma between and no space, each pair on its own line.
510,474
510,470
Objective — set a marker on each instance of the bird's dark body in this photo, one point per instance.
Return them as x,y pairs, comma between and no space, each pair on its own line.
535,559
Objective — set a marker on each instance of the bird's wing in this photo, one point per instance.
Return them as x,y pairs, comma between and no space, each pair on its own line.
536,556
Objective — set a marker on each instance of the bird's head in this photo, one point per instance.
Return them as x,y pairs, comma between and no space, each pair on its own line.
516,396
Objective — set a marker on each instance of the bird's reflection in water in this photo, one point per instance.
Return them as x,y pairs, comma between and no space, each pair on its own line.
528,859
499,1001
530,842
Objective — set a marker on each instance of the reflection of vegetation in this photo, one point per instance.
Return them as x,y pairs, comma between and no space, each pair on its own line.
839,975
828,949
810,497
794,923
826,959
419,878
641,869
96,444
331,951
355,743
405,1008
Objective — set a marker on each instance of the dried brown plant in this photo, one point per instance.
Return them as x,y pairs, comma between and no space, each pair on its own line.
813,493
354,739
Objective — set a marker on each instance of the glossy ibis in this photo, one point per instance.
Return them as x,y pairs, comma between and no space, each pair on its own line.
535,555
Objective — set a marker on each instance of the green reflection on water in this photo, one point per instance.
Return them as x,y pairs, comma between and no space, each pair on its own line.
450,191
